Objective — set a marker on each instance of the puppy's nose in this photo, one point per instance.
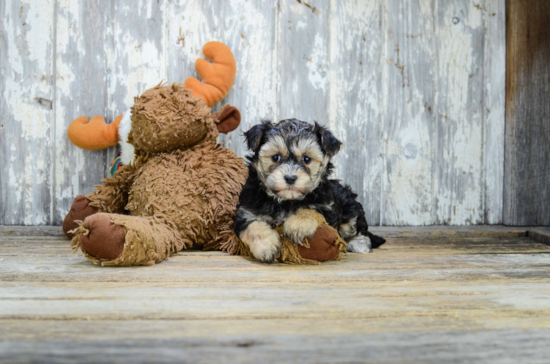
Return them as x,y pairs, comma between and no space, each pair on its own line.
290,179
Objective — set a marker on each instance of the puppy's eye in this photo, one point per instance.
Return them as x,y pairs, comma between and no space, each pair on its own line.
306,159
276,158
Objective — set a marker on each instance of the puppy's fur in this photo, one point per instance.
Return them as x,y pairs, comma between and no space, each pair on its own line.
289,171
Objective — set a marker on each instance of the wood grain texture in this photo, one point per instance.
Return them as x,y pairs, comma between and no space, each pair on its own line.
408,126
506,346
494,16
414,89
527,153
83,48
458,113
303,60
26,94
426,260
413,300
356,50
137,55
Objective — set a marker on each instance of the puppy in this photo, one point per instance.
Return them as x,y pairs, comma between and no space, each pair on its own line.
289,170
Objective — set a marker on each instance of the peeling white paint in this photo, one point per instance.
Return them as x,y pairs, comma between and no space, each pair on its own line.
143,69
354,109
38,39
317,64
420,147
25,63
494,97
460,199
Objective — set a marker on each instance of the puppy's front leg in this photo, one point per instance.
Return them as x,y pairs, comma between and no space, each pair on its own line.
300,227
263,241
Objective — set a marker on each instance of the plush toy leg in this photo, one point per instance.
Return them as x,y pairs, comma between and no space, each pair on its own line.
102,239
324,245
121,240
80,210
320,245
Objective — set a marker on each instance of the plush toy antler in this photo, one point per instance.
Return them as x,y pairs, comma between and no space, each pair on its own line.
218,78
94,134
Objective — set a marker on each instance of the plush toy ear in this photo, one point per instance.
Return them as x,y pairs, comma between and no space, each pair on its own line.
228,119
255,134
329,143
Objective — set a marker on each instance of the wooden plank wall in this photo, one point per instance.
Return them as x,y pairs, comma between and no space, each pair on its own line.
527,155
414,88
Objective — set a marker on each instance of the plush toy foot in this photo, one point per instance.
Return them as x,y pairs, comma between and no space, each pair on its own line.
320,245
102,238
80,210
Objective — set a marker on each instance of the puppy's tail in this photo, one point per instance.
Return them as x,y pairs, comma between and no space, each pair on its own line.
375,240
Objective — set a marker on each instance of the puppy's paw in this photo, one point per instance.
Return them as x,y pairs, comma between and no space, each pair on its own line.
299,228
263,241
360,244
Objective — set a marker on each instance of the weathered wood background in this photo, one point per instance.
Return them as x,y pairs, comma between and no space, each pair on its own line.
414,88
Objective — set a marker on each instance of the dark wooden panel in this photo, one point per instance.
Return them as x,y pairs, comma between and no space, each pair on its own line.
527,150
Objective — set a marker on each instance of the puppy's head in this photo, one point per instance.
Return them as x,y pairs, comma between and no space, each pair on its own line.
291,157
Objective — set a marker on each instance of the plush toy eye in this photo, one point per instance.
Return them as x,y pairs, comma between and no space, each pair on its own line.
306,159
276,158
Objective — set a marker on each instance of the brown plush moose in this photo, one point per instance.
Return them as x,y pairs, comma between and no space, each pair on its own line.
177,187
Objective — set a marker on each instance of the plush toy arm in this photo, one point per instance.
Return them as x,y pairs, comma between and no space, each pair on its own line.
112,195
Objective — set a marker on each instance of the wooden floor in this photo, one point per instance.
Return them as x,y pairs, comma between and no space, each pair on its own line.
426,296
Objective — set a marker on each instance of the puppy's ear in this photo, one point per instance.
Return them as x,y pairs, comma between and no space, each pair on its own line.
255,134
331,146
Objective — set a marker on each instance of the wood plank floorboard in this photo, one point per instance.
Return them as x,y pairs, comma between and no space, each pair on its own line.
430,297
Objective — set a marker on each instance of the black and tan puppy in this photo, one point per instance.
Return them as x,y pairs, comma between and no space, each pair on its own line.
289,171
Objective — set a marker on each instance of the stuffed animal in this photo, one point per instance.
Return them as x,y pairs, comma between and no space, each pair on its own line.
177,188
